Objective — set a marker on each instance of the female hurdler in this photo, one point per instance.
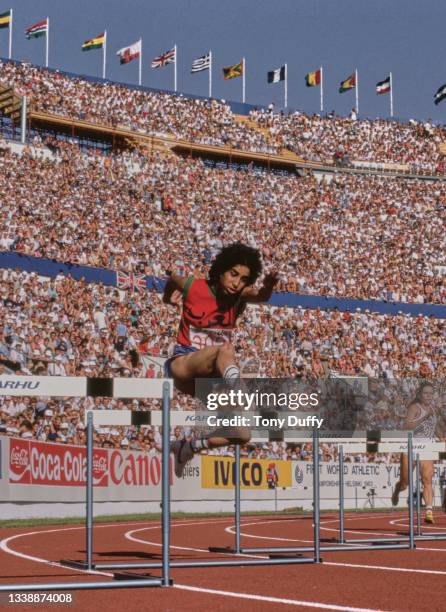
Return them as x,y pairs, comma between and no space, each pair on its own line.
204,346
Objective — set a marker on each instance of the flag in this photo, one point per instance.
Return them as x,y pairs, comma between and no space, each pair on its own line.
5,19
127,54
164,59
440,94
94,43
231,72
133,282
383,86
349,83
313,78
202,63
274,76
38,29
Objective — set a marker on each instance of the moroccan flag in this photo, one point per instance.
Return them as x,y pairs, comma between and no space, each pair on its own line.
383,86
5,19
313,78
440,94
94,43
231,72
349,83
38,29
127,54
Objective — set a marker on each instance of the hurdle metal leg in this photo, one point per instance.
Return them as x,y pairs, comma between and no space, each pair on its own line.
341,495
165,486
418,483
316,499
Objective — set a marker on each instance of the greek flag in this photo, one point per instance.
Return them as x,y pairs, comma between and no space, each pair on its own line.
202,63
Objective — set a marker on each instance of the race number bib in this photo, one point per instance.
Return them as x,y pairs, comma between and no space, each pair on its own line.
201,337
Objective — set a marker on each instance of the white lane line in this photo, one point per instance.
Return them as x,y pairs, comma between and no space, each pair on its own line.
276,600
387,568
399,524
231,529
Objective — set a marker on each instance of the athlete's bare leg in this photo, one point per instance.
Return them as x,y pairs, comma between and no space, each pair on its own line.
206,363
427,474
401,485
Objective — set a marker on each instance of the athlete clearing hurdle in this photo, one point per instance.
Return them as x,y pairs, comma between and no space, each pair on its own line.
425,421
204,346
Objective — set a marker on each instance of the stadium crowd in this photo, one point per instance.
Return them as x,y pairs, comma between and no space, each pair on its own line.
342,140
201,121
355,236
322,139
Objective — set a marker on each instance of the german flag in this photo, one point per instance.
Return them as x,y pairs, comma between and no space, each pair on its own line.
94,43
313,78
5,19
349,83
231,72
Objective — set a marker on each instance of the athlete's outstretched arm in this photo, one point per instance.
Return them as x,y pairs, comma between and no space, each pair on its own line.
256,296
174,284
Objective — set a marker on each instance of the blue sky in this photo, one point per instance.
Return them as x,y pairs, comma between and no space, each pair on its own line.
404,37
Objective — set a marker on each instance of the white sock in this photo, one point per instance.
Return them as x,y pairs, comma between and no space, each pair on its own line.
231,375
199,444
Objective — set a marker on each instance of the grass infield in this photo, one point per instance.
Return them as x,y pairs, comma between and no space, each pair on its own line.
156,516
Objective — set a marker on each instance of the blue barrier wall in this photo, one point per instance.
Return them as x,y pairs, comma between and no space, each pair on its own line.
51,268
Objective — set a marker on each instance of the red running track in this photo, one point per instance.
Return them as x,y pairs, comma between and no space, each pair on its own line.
393,580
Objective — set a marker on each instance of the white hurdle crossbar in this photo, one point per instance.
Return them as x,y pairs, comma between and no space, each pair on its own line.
70,386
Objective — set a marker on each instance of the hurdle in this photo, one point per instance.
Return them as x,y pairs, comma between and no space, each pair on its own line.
239,562
424,448
71,386
356,443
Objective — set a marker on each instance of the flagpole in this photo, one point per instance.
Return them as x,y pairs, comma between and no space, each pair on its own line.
47,41
210,74
175,71
286,85
243,81
140,63
322,90
357,91
104,56
391,95
10,37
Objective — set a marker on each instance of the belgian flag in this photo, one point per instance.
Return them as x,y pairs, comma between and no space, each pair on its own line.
313,78
231,72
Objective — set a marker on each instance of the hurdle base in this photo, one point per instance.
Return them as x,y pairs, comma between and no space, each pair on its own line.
74,563
223,549
136,577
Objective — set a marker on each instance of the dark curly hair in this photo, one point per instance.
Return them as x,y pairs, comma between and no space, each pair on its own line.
236,254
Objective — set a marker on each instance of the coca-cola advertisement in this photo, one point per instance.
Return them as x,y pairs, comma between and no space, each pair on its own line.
41,463
54,464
